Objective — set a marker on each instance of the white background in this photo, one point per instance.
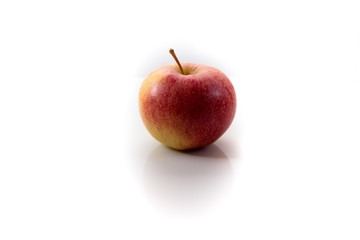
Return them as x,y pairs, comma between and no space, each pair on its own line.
77,163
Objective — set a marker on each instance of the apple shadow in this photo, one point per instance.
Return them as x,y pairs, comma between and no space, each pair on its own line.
187,181
212,151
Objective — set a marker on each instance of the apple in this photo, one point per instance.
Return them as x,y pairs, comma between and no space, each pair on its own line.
188,105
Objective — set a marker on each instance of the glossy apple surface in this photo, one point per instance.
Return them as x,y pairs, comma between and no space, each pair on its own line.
190,110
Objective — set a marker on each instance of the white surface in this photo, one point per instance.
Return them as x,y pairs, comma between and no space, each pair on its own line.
77,163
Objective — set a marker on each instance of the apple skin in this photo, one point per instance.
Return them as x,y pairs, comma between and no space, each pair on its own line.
190,110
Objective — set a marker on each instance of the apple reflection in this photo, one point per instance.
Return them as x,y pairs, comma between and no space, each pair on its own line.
187,181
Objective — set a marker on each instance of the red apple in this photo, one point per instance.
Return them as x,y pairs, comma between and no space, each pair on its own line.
188,105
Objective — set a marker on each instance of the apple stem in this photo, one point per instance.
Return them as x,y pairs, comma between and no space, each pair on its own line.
172,52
